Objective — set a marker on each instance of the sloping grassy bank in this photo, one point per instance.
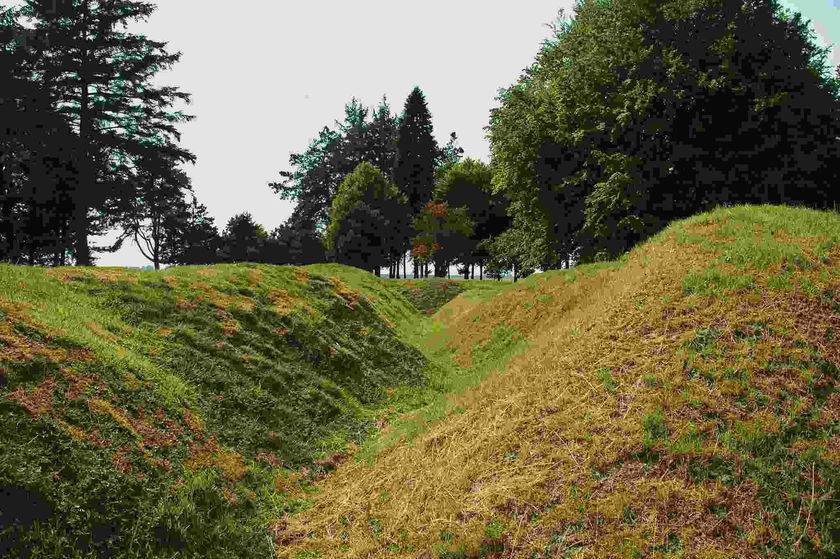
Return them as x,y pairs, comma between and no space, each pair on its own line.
428,295
170,414
681,402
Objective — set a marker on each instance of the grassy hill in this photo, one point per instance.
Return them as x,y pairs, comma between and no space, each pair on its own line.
151,414
681,402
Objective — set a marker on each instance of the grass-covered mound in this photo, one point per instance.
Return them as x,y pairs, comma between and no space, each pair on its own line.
681,402
168,414
428,295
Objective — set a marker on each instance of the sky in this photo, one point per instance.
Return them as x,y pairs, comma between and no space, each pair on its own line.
266,76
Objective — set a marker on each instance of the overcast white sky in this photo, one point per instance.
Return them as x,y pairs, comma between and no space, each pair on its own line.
266,76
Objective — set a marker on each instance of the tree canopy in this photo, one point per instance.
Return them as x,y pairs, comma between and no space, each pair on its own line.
639,112
366,219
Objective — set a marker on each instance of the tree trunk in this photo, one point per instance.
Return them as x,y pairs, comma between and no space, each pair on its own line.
405,270
515,272
481,271
156,234
81,224
378,272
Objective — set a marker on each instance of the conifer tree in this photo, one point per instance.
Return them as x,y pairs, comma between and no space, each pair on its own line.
417,152
37,177
382,138
199,241
100,76
243,239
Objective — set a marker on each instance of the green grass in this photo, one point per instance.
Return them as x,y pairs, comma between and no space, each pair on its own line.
184,413
280,366
428,295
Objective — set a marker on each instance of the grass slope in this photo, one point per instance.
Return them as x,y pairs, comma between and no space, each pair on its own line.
430,294
170,414
681,402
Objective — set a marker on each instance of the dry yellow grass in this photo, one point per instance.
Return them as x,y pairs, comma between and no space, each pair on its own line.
586,444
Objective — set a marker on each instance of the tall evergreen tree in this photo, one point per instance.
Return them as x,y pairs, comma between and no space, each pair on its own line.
312,181
382,138
101,77
37,176
199,241
417,152
417,156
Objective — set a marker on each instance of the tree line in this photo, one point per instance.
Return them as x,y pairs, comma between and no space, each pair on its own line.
634,113
380,191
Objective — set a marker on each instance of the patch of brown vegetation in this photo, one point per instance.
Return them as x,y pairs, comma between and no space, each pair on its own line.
184,305
269,458
100,331
208,454
230,326
351,297
38,401
193,422
254,277
17,347
78,384
230,496
284,303
302,275
122,461
104,275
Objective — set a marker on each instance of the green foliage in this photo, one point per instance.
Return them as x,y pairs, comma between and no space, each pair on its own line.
442,230
100,77
638,113
417,152
365,182
467,185
367,218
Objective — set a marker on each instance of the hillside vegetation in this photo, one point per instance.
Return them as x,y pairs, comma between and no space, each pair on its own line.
679,402
430,294
156,414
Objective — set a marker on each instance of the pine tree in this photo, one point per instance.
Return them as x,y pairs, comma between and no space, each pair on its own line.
101,78
37,176
200,241
417,155
417,152
382,138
